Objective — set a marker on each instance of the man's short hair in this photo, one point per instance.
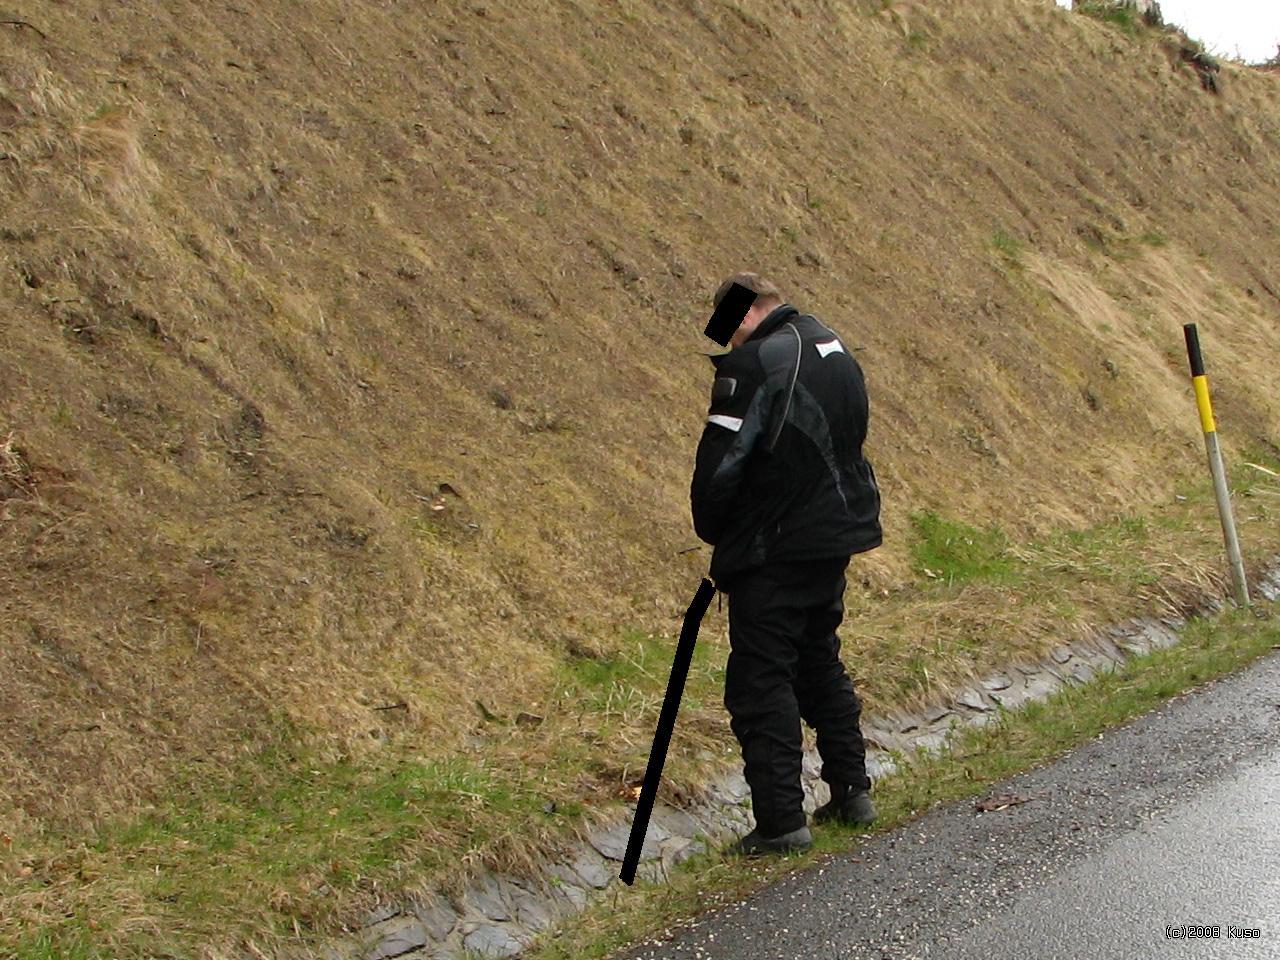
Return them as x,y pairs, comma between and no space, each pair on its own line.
766,293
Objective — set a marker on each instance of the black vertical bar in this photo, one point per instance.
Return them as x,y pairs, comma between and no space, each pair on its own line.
666,725
1193,349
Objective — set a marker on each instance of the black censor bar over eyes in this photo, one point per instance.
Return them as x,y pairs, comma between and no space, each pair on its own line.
666,723
728,316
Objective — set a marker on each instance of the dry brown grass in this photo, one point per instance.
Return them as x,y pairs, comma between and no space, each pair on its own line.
268,279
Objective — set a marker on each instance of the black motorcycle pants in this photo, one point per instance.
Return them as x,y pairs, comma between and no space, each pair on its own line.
784,666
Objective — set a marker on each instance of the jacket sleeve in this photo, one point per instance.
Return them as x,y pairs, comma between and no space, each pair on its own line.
736,421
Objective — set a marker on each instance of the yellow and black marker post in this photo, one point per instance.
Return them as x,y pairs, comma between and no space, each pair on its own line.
1201,384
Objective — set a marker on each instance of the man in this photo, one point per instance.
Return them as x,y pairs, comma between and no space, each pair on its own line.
782,491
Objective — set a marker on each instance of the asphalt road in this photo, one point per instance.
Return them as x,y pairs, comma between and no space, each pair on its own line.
1168,823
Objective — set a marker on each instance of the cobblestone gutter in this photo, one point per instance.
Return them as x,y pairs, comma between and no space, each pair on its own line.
498,915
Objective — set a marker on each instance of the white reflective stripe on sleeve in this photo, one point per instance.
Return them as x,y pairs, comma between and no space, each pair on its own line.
733,423
832,347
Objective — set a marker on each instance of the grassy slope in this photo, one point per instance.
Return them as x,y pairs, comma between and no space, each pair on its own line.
270,275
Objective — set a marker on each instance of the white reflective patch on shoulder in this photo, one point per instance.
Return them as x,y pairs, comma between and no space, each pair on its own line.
732,423
832,346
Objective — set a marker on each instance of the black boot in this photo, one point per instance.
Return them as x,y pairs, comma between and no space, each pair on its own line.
755,843
846,807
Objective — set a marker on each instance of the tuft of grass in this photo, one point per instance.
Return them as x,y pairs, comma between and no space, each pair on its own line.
956,552
1124,17
71,941
626,685
1108,553
1257,468
14,471
1120,248
1009,246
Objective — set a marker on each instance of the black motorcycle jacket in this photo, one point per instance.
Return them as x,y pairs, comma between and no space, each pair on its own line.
779,473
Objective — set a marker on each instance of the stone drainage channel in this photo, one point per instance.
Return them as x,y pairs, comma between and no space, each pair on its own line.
499,916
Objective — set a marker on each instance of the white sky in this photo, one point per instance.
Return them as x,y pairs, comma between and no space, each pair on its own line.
1249,29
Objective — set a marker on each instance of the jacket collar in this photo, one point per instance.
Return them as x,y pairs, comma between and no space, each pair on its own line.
776,318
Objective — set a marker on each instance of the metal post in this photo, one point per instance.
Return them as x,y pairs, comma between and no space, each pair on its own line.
1214,449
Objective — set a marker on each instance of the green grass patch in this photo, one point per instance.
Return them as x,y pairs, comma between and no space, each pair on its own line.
633,674
1253,477
1256,469
207,865
1008,246
71,942
955,552
1111,552
1124,17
